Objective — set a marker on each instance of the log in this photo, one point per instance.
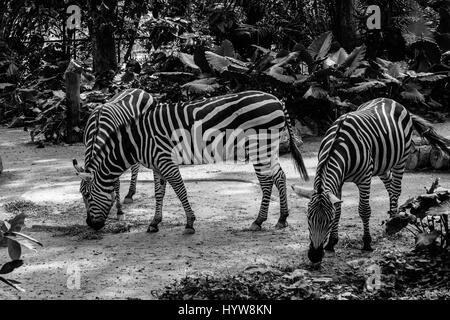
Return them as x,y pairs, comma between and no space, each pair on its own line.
413,158
439,160
419,157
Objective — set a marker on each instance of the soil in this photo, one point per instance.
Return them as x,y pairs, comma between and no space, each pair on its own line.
125,262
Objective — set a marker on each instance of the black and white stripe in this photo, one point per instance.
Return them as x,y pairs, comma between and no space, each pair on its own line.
150,141
373,141
120,109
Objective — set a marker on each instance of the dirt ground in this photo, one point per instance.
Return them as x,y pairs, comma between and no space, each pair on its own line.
135,264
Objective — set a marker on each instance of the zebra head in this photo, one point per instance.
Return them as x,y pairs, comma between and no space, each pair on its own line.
98,203
321,211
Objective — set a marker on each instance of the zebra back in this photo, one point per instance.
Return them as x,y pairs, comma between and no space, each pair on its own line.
107,118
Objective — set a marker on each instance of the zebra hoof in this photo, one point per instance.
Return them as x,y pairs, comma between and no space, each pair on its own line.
255,227
281,225
152,229
127,200
367,248
189,231
120,217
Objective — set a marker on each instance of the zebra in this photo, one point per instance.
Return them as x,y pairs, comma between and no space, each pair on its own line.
150,140
124,105
372,141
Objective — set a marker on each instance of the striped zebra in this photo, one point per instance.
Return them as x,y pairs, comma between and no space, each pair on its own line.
122,107
374,140
159,139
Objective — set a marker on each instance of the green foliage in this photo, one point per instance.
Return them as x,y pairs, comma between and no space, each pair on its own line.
13,239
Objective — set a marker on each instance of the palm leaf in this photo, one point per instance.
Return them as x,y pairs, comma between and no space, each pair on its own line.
206,85
316,92
12,284
320,46
412,94
354,60
277,73
188,60
226,49
336,58
10,266
364,86
217,62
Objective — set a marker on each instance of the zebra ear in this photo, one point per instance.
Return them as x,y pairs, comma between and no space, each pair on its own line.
302,192
76,166
334,200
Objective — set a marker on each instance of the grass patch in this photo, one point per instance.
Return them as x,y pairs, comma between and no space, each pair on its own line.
29,208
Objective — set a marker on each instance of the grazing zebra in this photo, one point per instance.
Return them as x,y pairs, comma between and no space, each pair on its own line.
122,107
375,140
159,139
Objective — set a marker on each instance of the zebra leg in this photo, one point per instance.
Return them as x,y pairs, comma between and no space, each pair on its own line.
334,237
364,212
266,182
279,178
387,181
396,186
172,174
160,191
117,199
132,190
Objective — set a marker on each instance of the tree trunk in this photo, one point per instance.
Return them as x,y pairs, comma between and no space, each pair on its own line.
72,76
343,23
444,17
103,43
132,38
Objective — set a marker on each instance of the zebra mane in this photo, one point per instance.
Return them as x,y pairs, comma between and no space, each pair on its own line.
325,154
93,140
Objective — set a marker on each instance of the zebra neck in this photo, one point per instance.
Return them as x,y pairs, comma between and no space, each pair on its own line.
113,157
331,176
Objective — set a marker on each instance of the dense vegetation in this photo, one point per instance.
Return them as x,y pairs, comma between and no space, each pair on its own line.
318,56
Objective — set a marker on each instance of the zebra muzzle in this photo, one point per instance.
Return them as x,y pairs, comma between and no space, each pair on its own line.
315,255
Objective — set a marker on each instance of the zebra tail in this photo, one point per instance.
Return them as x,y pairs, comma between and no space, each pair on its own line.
425,129
294,143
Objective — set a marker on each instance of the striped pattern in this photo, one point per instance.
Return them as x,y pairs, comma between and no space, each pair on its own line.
151,140
118,111
373,141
